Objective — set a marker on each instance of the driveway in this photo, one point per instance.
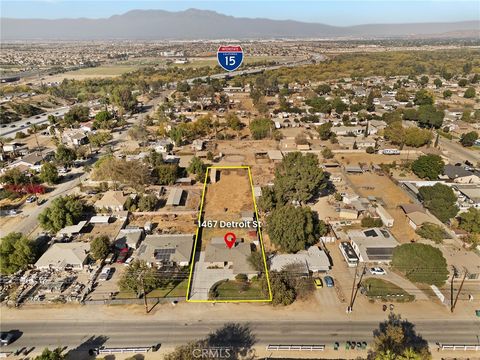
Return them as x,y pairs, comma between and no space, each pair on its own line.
203,278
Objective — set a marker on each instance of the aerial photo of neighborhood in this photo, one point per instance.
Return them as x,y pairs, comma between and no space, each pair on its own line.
240,180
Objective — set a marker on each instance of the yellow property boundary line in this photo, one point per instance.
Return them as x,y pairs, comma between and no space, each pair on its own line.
198,230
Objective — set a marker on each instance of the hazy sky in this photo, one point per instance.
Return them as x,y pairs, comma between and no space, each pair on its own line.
337,12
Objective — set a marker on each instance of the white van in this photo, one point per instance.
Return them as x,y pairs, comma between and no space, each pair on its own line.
105,274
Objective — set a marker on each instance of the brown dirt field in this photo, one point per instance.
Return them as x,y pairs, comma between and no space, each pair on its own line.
225,200
232,192
392,196
111,230
354,159
170,224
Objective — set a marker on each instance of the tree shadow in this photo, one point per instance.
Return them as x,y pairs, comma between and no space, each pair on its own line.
237,337
396,335
85,350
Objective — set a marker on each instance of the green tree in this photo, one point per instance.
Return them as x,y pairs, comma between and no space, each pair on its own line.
65,156
122,97
429,116
428,166
470,220
103,120
402,95
166,174
395,133
469,93
323,89
324,131
14,176
298,177
468,139
462,82
417,137
49,173
100,247
438,83
319,104
76,114
421,263
293,228
282,292
440,200
198,168
16,253
261,128
137,271
64,211
431,231
148,203
327,153
396,339
55,354
447,94
423,97
233,122
100,138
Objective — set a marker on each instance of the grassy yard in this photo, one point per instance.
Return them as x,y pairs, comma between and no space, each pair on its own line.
237,290
171,290
378,288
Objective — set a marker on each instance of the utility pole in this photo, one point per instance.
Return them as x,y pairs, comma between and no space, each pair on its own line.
353,287
465,274
142,282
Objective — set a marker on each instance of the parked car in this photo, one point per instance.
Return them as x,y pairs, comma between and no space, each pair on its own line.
105,274
6,337
31,199
318,283
128,261
122,256
110,258
377,271
328,281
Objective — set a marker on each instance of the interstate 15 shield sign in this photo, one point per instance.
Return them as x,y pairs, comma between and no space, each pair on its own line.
230,57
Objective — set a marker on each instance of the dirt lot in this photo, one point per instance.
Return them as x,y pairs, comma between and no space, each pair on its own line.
168,224
354,159
111,230
391,195
225,200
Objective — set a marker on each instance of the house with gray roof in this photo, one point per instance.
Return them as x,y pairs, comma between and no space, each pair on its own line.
219,255
313,260
64,255
166,249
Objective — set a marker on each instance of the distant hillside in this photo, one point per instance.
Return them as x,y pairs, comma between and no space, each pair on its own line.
196,24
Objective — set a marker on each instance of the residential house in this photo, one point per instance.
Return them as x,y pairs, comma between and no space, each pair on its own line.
175,197
460,175
313,260
112,200
219,255
373,245
61,256
417,215
166,249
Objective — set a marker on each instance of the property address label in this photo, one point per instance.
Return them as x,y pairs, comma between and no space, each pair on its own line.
222,224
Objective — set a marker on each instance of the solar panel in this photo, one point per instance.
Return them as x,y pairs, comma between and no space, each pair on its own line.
379,253
370,233
163,254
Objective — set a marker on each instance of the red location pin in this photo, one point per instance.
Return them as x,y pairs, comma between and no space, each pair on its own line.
230,239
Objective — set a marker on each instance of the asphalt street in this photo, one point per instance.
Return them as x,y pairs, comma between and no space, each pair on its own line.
82,335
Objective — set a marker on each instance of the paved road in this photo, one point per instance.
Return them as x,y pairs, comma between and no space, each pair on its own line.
22,125
134,333
458,153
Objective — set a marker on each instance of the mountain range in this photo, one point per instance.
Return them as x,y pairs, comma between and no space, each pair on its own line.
194,24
